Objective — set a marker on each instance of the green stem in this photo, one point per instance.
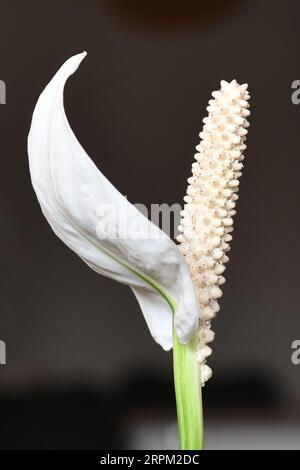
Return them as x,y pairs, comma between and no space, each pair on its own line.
188,394
187,383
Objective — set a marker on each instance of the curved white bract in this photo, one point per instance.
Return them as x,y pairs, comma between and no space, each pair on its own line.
98,223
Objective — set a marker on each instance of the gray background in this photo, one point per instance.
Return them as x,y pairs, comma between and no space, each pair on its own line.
136,105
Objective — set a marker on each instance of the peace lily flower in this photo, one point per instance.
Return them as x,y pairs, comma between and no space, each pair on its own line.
74,195
177,288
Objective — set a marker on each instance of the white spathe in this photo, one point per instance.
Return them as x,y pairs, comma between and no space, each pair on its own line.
74,195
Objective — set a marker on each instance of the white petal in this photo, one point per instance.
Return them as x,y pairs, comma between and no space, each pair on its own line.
154,308
91,217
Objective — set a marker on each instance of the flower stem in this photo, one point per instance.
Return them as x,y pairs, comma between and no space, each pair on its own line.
188,387
188,394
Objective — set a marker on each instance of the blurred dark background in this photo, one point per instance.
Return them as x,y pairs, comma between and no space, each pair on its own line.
82,370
